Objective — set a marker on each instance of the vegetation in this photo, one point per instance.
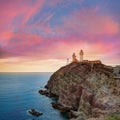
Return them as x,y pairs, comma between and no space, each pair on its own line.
115,116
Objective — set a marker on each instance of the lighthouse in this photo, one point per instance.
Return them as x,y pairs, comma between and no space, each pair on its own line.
74,59
81,55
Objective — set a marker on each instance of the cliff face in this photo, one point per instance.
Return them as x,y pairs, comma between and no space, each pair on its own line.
86,87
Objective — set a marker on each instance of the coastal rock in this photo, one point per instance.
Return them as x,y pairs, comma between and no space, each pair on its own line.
34,112
76,115
48,94
85,87
60,107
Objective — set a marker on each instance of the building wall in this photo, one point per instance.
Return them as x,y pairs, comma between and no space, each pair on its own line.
117,71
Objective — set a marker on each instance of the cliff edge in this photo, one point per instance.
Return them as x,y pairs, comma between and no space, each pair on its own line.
85,90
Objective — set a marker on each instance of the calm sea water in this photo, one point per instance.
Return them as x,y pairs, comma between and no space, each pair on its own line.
19,93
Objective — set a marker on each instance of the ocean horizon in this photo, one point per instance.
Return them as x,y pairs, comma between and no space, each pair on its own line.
19,93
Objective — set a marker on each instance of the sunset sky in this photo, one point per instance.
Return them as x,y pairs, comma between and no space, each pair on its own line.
39,35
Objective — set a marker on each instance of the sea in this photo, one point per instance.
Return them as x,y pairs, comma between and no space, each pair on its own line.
19,93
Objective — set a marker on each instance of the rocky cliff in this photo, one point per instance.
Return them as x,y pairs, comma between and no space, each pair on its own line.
85,90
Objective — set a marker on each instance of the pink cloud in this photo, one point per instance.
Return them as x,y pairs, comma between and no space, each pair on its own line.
4,53
21,41
18,44
88,21
65,47
33,10
4,37
79,30
34,47
31,45
20,8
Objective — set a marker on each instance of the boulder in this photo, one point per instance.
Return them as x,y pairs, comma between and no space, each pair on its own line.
60,107
34,112
48,94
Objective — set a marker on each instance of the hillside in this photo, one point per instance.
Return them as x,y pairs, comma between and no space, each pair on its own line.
85,90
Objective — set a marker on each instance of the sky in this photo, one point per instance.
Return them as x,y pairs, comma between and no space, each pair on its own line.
39,35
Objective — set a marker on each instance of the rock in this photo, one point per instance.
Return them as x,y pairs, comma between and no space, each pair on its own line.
84,87
60,107
78,118
45,92
34,112
76,115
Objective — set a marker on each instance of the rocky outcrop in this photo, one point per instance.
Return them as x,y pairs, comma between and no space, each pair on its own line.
47,93
85,88
34,112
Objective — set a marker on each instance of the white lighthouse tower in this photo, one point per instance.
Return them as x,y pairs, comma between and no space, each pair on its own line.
81,55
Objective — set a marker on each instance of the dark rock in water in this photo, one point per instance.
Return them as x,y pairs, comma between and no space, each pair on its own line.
84,87
34,112
48,94
44,92
60,107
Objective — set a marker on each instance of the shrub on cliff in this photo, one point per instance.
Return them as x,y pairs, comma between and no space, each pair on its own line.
114,116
